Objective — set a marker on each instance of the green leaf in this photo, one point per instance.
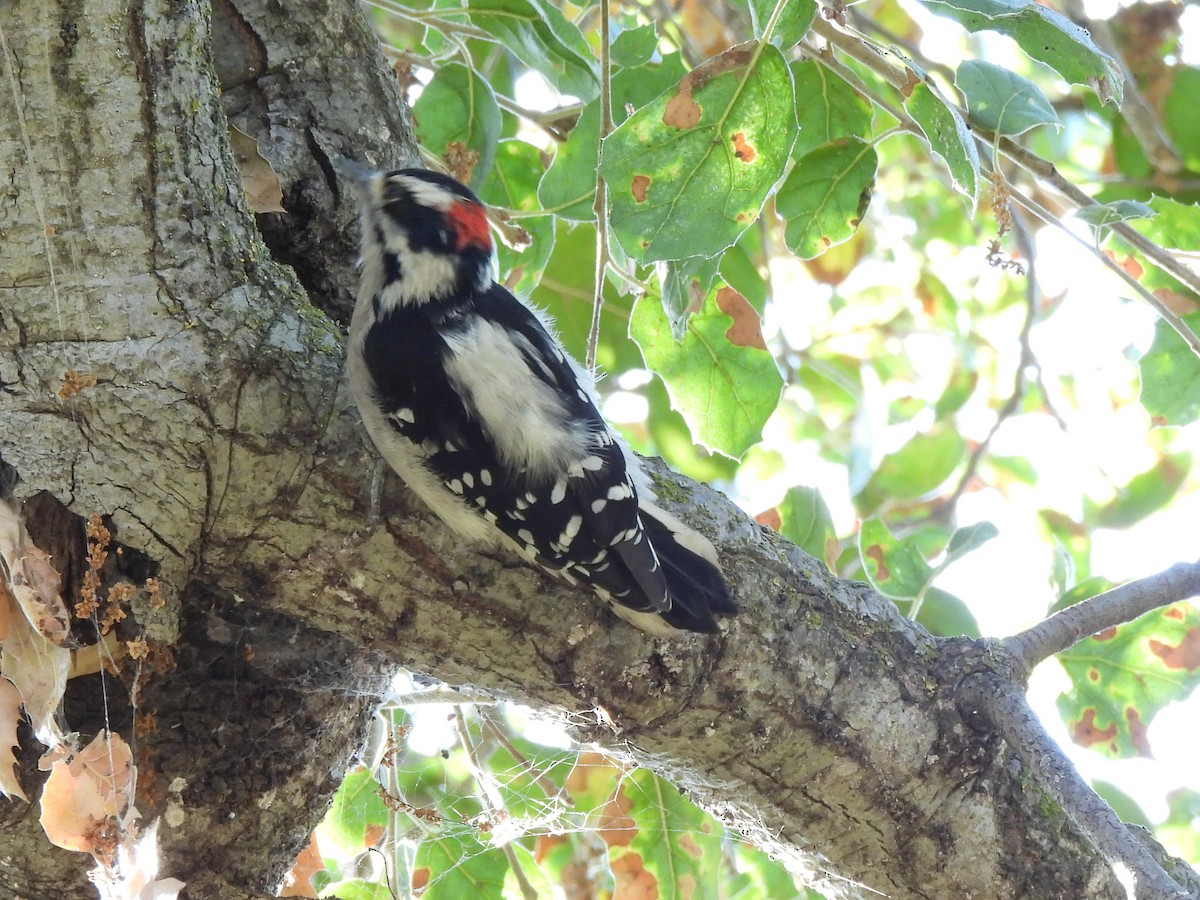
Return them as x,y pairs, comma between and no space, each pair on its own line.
678,843
894,567
826,108
945,615
1002,101
514,178
1179,114
1045,35
806,522
357,889
356,809
1117,211
739,271
918,468
459,106
1171,224
666,433
455,864
949,138
634,46
1145,493
725,392
972,537
1171,375
959,388
689,172
569,185
1073,545
759,876
513,184
792,24
1179,833
826,196
544,39
1123,676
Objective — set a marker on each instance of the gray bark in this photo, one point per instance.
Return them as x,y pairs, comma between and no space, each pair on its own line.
220,442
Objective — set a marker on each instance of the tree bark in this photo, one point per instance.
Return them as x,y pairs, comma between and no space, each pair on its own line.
218,440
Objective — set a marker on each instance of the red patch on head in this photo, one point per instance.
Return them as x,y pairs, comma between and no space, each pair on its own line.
470,225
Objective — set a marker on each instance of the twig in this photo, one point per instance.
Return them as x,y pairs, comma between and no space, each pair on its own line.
431,19
1013,403
859,49
491,801
1046,171
1165,313
1122,604
1004,706
600,204
548,787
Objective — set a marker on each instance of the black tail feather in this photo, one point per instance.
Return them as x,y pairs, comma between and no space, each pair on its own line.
695,583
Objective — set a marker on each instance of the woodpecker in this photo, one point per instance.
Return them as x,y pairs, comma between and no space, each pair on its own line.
470,397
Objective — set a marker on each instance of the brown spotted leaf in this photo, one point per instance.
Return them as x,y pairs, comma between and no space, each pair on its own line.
1121,678
689,171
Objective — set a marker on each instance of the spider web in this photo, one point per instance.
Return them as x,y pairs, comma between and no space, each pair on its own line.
461,795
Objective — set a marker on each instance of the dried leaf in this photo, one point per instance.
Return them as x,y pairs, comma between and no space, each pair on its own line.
259,180
298,882
135,877
28,578
770,518
39,670
89,791
10,716
36,586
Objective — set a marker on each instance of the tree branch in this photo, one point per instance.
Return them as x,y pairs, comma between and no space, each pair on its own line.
1004,707
1122,604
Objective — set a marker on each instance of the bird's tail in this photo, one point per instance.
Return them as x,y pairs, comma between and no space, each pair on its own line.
695,584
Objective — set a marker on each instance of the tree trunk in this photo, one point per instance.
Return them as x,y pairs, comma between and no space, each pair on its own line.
218,440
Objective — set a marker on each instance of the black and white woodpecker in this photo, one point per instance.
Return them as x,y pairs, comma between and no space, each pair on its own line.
470,397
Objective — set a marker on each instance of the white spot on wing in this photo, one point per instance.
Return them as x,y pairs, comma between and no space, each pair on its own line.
598,505
559,493
571,529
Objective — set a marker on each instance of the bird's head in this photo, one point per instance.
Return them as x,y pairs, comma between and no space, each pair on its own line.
425,237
